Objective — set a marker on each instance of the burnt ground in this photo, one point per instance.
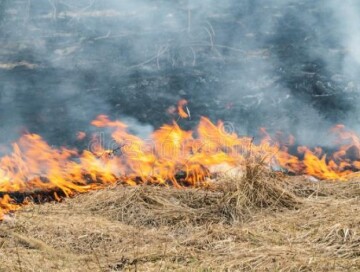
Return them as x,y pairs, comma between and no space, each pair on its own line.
250,64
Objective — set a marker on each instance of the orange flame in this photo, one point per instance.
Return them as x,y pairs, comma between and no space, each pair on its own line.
181,104
172,156
80,135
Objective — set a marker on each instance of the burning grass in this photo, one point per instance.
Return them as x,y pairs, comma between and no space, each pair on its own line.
36,171
178,216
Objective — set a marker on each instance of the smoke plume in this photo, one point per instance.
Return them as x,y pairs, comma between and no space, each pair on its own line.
283,65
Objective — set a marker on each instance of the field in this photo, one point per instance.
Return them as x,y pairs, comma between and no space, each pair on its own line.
286,66
260,222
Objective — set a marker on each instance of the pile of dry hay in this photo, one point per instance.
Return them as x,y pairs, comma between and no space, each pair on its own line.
228,200
260,221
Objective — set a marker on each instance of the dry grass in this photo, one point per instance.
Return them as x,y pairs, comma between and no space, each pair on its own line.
261,222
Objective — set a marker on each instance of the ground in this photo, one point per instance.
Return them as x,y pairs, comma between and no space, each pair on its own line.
308,227
278,66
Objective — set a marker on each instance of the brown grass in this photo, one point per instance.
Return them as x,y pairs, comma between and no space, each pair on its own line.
260,222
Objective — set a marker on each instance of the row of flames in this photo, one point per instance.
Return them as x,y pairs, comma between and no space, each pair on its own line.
173,157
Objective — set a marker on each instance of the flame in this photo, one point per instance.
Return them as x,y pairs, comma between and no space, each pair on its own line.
340,165
181,104
80,135
172,156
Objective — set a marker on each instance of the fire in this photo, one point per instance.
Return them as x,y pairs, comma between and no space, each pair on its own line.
181,104
339,165
172,156
81,135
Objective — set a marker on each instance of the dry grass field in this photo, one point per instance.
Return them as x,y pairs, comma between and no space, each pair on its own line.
289,66
260,222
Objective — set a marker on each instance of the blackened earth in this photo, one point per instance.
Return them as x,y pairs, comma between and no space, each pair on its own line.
249,64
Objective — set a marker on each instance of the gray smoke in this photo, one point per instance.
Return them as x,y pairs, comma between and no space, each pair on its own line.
283,65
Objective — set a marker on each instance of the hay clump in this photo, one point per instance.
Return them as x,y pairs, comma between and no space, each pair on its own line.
258,188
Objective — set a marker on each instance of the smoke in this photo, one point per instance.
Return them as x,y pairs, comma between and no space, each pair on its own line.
283,65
